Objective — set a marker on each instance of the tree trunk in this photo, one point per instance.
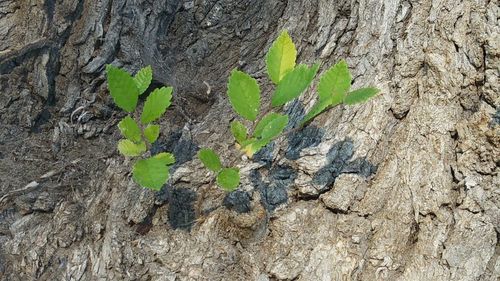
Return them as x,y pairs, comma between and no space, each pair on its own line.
404,187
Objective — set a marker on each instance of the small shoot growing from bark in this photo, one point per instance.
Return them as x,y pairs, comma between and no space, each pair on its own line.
227,178
333,89
291,81
149,172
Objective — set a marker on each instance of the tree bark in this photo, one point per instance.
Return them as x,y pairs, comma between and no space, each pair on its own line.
404,187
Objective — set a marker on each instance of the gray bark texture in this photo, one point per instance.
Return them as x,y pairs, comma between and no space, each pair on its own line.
404,187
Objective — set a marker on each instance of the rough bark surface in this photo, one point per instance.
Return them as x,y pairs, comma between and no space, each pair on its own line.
405,187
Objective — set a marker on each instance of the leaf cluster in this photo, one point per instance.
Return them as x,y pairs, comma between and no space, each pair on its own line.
150,172
290,82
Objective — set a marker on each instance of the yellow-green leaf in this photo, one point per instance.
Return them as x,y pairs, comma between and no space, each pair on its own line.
244,94
239,131
129,129
152,132
151,173
252,146
229,179
360,95
143,78
129,148
294,83
156,104
281,57
210,159
335,83
122,88
167,158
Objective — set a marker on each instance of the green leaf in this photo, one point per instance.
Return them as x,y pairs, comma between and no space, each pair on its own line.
268,118
275,127
167,158
129,148
335,83
281,57
360,95
239,131
244,94
122,88
332,88
129,129
151,173
210,159
152,132
156,104
294,83
229,179
269,127
143,78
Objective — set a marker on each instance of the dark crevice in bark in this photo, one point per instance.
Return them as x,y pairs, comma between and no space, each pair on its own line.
145,226
399,115
49,10
338,211
16,58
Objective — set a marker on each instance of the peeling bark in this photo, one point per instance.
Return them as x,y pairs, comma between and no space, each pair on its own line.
404,187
